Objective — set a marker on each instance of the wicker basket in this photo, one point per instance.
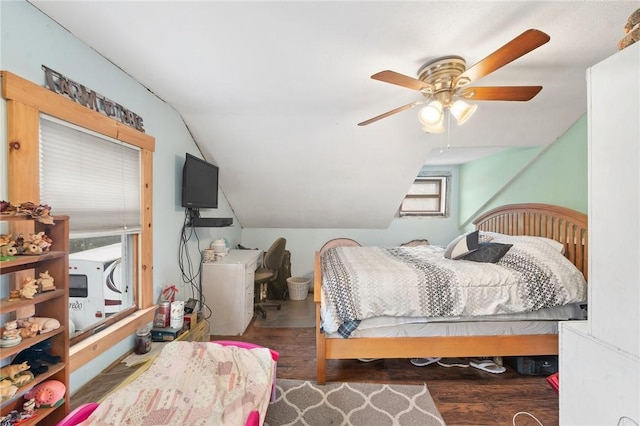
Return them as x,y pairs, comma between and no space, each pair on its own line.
298,287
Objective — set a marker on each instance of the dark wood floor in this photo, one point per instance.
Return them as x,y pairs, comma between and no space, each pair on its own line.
464,396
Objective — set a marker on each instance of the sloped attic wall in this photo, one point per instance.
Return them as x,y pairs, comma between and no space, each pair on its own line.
556,174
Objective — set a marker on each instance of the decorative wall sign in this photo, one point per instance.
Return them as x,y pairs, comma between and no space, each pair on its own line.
77,92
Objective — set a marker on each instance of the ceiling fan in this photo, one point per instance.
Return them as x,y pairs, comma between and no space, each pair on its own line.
444,83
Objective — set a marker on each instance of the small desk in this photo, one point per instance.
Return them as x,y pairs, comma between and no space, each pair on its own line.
227,288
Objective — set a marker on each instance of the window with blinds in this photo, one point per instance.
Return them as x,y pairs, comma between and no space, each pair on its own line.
95,180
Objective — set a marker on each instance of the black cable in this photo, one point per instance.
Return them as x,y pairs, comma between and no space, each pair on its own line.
189,274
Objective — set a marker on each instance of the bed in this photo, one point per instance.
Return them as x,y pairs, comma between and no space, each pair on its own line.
507,334
191,383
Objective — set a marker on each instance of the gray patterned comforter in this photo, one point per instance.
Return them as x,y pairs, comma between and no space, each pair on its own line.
366,282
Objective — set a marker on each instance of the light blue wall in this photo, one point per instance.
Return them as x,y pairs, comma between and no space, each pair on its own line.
303,243
28,40
555,174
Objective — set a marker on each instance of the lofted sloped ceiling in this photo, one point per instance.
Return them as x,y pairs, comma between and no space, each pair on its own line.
272,91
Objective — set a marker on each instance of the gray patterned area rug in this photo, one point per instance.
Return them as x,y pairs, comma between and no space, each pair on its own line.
306,403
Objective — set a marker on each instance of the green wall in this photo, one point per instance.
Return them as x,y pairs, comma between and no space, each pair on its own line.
554,174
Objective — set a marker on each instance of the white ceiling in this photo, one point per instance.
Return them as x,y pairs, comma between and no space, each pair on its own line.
272,91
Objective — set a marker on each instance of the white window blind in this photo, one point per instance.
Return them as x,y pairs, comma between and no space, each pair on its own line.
93,179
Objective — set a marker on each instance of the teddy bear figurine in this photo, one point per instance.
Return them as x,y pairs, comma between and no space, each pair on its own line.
29,288
10,330
45,282
632,31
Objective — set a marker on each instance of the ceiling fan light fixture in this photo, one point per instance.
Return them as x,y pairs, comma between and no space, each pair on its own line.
431,115
462,111
434,128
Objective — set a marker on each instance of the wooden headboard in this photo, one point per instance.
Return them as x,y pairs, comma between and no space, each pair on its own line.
542,220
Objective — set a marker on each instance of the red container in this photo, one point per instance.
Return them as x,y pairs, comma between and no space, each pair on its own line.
163,315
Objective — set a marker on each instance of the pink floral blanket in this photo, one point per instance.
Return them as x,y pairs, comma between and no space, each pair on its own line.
193,383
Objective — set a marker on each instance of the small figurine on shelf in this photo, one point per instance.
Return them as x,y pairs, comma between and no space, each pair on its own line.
10,330
7,390
12,371
7,247
38,356
45,282
7,252
29,288
29,248
29,408
19,243
44,324
41,240
23,378
30,330
10,334
40,212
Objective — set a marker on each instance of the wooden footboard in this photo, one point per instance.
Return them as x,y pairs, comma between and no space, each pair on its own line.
559,223
410,347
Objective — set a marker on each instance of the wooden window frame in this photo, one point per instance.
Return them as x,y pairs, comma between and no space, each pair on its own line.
441,197
24,103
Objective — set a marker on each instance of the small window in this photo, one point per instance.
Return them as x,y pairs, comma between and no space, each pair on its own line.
78,287
426,197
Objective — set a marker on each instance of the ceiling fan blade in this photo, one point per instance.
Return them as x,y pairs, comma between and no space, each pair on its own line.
524,43
500,93
400,79
388,113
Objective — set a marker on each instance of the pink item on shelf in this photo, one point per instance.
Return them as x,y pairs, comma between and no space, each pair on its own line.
48,394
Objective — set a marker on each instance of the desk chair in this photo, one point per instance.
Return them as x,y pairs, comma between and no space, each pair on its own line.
268,273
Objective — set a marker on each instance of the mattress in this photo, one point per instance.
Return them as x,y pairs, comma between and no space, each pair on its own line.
544,321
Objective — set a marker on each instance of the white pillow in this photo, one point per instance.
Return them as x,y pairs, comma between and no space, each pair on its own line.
491,236
462,246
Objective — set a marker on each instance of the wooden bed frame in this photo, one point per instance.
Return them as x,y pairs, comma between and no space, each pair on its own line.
559,223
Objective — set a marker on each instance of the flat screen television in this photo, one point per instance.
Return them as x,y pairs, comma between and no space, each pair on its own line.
199,184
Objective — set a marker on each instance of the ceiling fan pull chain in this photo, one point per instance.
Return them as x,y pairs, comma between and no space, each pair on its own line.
448,117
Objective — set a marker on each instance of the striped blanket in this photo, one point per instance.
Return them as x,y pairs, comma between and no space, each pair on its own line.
367,282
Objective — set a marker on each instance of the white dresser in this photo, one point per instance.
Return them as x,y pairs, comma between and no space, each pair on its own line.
227,286
599,358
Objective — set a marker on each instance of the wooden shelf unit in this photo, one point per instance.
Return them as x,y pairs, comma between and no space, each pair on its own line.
51,304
